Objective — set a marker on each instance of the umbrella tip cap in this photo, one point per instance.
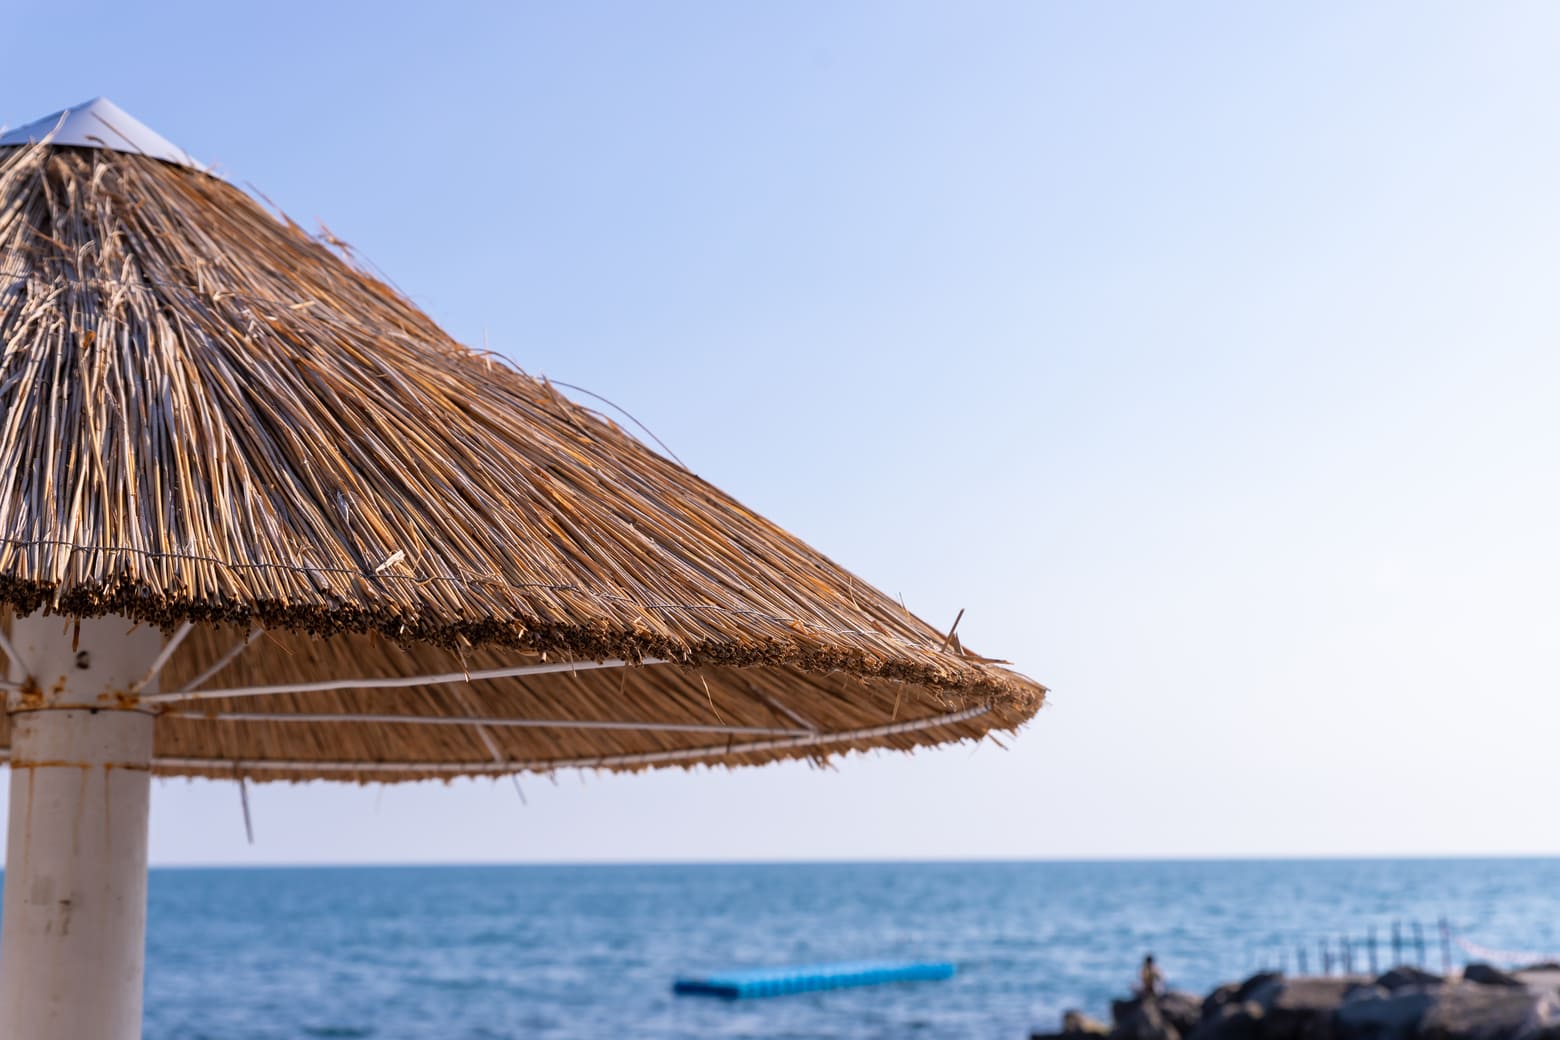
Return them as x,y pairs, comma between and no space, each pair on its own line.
99,123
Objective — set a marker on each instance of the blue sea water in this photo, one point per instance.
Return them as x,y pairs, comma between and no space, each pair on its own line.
490,953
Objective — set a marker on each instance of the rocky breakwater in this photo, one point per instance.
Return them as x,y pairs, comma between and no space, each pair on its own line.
1483,1003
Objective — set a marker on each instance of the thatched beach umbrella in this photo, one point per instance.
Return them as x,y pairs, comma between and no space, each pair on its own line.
261,518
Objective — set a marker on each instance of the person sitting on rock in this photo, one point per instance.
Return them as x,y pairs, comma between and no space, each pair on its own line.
1151,981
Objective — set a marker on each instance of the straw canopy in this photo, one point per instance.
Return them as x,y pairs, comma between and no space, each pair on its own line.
378,554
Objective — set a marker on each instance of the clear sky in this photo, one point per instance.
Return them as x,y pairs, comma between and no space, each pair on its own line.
1206,354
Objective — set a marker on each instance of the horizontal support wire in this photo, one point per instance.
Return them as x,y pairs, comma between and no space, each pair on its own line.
495,723
715,751
389,682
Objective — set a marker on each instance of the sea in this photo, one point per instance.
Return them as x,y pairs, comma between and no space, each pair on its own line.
591,952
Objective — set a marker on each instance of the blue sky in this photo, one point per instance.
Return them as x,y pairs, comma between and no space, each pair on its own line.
1205,354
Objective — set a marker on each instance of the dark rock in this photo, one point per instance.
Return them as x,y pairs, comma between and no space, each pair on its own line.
1139,1019
1182,1010
1304,1009
1471,1011
1260,988
1220,997
1076,1023
1404,1004
1312,994
1406,975
1488,975
1544,1020
1374,1013
1230,1021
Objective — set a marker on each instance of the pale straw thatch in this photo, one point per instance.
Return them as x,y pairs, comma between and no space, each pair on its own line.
212,423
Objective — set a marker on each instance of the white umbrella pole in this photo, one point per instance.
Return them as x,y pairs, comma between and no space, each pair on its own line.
74,926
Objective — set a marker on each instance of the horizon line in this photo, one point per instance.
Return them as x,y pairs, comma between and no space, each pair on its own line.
1234,858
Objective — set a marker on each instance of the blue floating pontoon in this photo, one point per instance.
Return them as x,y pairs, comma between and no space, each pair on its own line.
774,982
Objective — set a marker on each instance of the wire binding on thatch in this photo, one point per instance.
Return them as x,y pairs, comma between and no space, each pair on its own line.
208,419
